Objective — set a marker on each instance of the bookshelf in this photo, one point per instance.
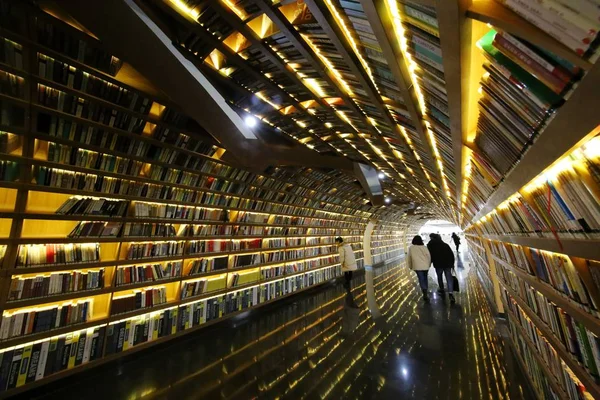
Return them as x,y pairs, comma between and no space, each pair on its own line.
121,227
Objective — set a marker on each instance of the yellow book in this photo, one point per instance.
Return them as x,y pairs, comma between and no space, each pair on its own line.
125,340
155,326
174,312
188,310
24,365
73,353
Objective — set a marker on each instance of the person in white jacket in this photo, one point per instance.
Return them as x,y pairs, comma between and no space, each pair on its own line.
347,259
419,260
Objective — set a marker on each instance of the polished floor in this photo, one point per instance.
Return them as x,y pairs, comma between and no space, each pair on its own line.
376,341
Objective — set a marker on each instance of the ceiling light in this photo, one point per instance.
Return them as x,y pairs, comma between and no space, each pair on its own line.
381,175
250,121
388,200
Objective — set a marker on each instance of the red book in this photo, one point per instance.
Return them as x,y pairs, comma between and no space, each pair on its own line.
523,60
50,254
148,272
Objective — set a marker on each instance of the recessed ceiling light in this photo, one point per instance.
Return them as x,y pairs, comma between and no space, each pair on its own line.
250,121
388,200
381,175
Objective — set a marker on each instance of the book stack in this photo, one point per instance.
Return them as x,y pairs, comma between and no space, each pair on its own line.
43,254
573,23
203,265
55,283
143,298
257,218
28,321
147,273
64,154
28,363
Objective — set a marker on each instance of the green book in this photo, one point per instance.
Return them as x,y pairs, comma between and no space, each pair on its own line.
517,73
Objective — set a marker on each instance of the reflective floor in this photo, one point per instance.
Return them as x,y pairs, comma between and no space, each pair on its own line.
375,341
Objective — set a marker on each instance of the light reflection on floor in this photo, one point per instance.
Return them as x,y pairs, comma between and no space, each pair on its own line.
330,343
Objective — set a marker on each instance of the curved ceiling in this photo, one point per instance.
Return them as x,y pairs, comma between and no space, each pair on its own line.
330,83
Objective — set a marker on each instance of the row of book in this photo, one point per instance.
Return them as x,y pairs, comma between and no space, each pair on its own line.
142,250
537,373
126,334
573,23
84,109
74,78
50,35
93,206
75,132
522,88
55,283
203,265
34,361
48,254
202,286
82,134
565,377
11,53
574,336
565,203
28,321
147,273
555,269
68,155
143,298
153,210
65,179
12,85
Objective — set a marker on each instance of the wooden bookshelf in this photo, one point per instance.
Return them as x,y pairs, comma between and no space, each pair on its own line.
571,307
578,116
590,385
494,13
308,207
541,362
583,248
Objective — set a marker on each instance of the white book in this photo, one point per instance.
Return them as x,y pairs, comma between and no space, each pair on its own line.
131,336
43,359
87,349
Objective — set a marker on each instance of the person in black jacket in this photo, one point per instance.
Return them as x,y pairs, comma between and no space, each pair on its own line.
456,240
442,258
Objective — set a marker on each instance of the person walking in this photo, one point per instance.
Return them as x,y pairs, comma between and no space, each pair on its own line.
418,259
442,258
456,240
347,259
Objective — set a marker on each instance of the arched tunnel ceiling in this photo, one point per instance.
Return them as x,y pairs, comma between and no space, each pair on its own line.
327,85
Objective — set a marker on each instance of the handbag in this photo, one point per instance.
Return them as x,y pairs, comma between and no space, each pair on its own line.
455,285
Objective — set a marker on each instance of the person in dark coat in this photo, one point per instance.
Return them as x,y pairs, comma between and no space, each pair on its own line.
442,258
456,240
